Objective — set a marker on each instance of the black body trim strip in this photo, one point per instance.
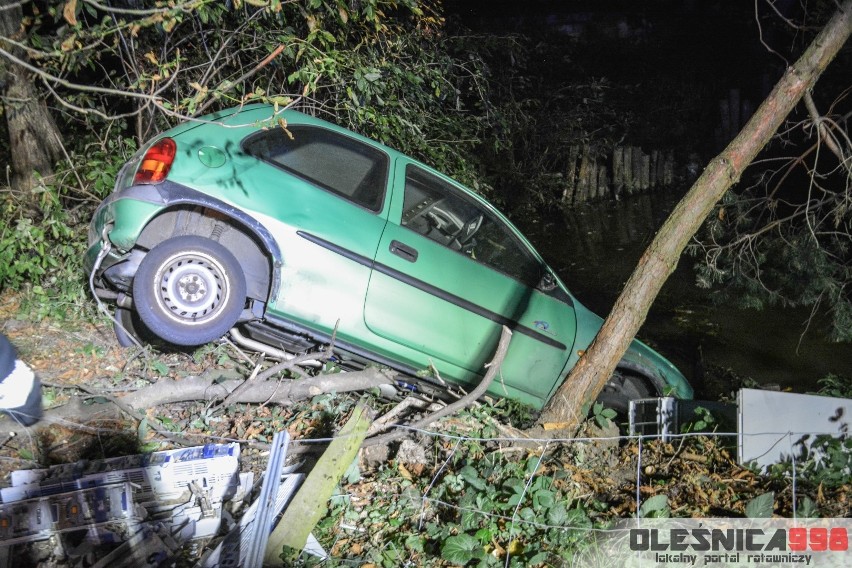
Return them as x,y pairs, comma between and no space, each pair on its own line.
434,291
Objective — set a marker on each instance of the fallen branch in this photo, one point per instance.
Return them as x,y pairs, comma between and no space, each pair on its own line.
383,423
154,424
208,388
826,134
466,400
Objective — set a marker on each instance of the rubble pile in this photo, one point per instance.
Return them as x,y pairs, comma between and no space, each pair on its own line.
187,507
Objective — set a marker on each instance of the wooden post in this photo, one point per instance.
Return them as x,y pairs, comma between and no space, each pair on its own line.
603,182
593,178
637,169
311,501
646,172
582,192
655,158
570,176
668,168
628,170
618,171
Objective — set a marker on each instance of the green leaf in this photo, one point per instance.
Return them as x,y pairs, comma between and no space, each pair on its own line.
472,477
808,509
484,535
415,543
656,506
761,507
609,413
469,520
460,549
515,484
142,429
557,515
160,368
353,473
514,500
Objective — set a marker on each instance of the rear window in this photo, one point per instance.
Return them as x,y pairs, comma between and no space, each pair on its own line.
344,166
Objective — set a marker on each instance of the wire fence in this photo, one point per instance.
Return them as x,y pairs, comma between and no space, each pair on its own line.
433,503
521,499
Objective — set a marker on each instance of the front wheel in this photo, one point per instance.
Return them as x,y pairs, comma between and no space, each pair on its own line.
620,390
129,329
189,290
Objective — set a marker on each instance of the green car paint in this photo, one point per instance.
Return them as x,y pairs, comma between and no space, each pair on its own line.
408,291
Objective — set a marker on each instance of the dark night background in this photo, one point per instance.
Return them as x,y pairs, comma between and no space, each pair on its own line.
715,46
666,64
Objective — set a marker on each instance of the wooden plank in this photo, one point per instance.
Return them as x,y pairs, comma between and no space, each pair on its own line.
618,171
568,193
310,503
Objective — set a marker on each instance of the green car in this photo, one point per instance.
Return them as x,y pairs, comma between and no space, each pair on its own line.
283,230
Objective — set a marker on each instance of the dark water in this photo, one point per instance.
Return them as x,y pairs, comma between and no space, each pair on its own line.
595,248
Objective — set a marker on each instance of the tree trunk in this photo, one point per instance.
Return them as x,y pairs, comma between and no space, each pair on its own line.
588,377
33,136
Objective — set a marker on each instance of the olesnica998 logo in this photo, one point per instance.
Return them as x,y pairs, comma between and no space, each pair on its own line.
735,542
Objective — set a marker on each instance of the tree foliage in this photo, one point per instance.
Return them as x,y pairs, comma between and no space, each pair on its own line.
785,236
382,67
587,378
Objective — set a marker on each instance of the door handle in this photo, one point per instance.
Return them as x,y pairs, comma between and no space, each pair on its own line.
403,251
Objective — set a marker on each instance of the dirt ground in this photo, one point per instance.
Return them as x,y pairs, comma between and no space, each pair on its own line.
78,358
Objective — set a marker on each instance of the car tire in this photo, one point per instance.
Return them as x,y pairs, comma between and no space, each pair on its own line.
189,290
620,390
130,329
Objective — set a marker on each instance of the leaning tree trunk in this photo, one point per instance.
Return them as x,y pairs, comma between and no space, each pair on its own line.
34,139
586,380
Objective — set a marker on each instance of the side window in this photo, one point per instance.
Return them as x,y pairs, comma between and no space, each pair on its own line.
438,211
337,163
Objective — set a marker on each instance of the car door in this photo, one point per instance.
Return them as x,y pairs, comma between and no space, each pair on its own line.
450,272
321,193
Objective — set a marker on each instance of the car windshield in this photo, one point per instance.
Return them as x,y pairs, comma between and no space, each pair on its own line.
325,158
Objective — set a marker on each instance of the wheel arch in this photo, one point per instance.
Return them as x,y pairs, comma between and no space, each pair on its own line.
250,242
648,376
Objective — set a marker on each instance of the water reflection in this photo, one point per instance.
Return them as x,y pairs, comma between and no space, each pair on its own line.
594,249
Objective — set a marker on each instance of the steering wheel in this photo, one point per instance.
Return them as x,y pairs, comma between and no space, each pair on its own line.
446,223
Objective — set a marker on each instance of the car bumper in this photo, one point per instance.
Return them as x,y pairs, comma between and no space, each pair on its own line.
114,230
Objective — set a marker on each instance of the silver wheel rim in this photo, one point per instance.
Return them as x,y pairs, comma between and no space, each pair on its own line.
191,287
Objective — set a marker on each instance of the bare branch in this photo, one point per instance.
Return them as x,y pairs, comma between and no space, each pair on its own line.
826,135
206,388
493,371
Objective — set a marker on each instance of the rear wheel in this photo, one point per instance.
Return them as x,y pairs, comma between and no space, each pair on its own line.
189,290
